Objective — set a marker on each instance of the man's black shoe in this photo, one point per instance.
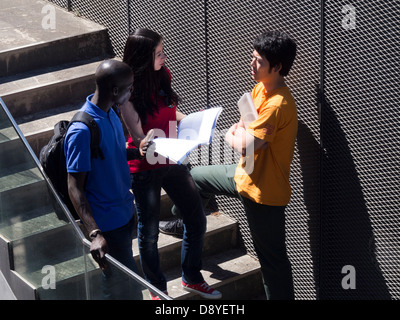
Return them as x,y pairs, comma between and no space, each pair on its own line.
172,228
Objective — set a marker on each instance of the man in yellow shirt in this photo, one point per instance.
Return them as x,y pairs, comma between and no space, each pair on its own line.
261,179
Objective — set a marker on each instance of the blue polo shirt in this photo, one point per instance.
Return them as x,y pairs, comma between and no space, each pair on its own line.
108,180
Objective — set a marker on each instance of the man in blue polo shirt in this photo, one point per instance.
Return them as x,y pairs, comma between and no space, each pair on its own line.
100,188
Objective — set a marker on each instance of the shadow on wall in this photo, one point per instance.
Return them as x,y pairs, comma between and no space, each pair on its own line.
309,149
339,226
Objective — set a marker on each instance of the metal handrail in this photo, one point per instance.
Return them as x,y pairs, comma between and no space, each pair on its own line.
71,219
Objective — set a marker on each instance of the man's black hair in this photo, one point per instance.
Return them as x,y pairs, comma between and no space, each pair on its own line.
110,73
278,48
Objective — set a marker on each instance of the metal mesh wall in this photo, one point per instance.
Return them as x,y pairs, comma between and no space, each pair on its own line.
61,3
360,134
344,208
232,26
182,25
113,14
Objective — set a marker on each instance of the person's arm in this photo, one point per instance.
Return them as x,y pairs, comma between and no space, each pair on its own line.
242,141
76,191
179,116
134,125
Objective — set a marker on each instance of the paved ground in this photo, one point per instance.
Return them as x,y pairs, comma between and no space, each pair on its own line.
22,23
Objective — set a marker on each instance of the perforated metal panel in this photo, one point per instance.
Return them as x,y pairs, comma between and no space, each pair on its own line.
182,26
113,14
344,209
60,3
360,134
232,27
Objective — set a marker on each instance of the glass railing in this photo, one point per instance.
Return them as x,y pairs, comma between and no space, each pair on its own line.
47,248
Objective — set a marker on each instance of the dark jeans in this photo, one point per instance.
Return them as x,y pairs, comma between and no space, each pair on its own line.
266,223
179,185
115,284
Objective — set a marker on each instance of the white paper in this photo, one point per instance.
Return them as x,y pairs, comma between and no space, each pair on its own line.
194,130
247,109
174,149
199,125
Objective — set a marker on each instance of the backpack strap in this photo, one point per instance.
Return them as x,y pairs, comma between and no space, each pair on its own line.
87,119
60,128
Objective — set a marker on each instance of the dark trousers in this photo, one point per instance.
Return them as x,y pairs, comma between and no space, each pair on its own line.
266,223
115,284
178,183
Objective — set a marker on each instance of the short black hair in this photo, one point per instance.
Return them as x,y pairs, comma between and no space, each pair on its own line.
110,73
278,48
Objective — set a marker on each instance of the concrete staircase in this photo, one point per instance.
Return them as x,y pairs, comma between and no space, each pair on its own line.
45,75
226,267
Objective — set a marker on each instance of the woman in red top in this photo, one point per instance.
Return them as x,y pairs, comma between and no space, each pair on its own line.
153,107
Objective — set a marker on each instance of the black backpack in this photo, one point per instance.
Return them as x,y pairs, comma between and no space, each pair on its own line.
53,160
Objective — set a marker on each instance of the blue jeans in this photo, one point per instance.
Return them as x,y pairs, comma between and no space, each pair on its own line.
115,284
179,185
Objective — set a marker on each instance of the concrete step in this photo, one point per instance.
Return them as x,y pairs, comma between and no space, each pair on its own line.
70,280
50,247
38,128
23,260
13,178
45,76
7,132
32,222
221,235
73,270
27,44
23,199
225,267
52,89
234,273
9,142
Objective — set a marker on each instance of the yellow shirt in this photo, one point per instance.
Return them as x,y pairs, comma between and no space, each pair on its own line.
264,178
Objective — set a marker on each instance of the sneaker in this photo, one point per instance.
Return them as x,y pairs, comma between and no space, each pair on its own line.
202,289
172,228
153,297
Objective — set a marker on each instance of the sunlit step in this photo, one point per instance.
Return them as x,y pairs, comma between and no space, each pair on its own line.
20,229
17,176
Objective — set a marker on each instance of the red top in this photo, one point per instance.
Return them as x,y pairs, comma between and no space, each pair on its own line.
161,121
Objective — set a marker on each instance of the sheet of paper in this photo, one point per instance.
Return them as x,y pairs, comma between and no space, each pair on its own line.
194,130
174,149
247,109
199,125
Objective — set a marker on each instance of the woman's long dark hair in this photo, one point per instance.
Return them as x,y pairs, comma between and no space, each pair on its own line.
139,54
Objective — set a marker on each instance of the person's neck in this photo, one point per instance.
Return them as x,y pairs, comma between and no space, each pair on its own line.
272,85
103,103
